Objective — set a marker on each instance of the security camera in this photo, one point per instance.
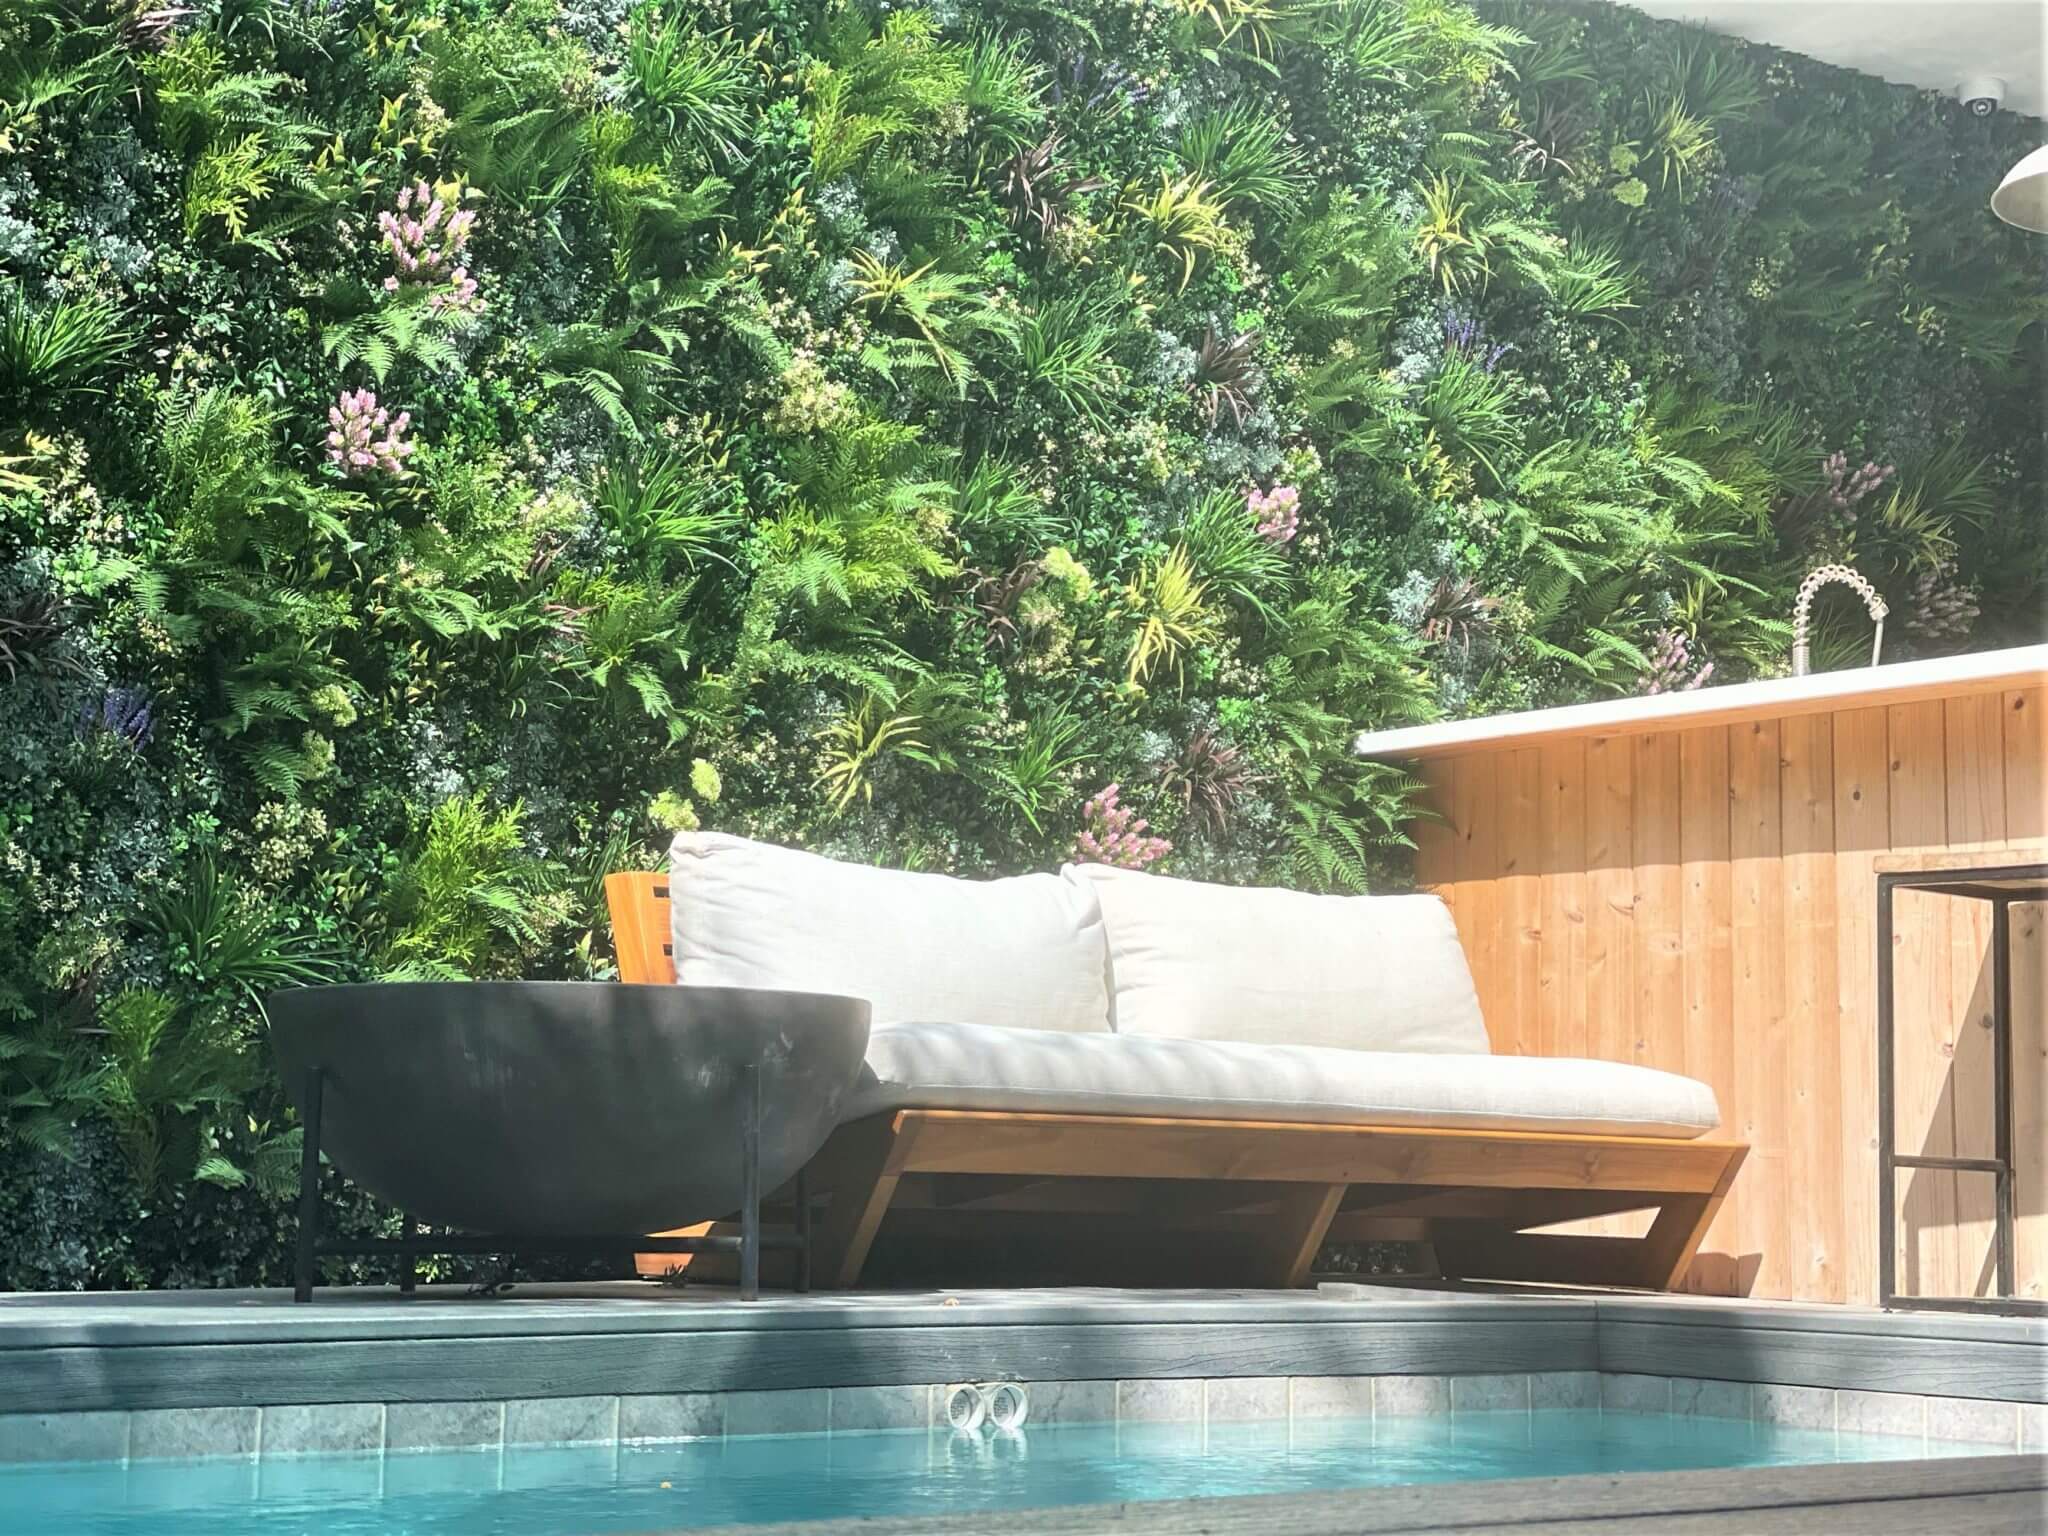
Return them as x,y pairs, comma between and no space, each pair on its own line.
1982,94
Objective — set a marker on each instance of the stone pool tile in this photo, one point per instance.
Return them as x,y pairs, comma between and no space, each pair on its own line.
2034,1426
1332,1397
1799,1407
186,1432
672,1416
1700,1397
443,1426
63,1436
1564,1389
1168,1401
1488,1394
1405,1397
881,1408
303,1429
561,1420
804,1412
1881,1413
1068,1402
1233,1399
1622,1392
1975,1418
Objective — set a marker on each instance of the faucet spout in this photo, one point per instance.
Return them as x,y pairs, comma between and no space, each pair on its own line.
1802,612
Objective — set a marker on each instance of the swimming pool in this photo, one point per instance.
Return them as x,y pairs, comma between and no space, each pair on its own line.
551,1491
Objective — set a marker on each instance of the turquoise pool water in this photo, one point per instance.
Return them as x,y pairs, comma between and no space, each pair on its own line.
556,1491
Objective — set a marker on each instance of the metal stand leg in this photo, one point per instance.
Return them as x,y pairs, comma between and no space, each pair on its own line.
309,1193
409,1264
750,1184
803,1229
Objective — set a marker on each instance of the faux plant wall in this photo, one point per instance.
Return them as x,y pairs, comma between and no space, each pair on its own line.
446,444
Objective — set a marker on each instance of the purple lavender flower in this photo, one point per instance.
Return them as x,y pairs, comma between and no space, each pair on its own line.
1844,488
354,421
1114,834
428,238
1466,335
1671,667
1277,512
122,713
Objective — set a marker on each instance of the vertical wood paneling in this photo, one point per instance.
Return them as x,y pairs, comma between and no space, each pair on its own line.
1660,910
2030,1097
2026,815
1561,994
1706,968
1610,898
1435,862
1863,832
1925,1043
1475,822
1974,776
2026,765
1520,790
1705,901
1757,930
1806,796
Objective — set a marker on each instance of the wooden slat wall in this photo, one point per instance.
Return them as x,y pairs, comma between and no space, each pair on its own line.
1705,901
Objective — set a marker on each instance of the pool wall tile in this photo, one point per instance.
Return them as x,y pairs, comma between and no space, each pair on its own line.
1410,1396
1800,1407
1882,1413
807,1411
307,1429
1695,1396
1162,1401
1564,1389
562,1421
63,1436
1071,1402
1333,1397
154,1433
672,1416
1232,1399
1974,1418
1489,1394
1621,1392
880,1408
443,1426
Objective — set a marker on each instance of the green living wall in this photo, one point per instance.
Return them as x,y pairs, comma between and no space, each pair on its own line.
445,445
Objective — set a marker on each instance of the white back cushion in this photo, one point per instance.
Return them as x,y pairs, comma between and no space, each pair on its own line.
1219,962
1025,952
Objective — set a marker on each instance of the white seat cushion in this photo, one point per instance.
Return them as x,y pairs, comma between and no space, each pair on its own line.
965,1066
1025,952
1223,962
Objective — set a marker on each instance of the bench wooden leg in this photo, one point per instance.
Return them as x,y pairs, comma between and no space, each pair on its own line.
860,1166
1304,1216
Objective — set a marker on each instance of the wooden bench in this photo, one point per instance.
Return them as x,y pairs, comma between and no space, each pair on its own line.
966,1196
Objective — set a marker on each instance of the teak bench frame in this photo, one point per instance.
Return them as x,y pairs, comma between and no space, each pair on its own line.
1284,1188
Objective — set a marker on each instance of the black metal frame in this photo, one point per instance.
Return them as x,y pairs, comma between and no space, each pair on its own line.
412,1243
2000,885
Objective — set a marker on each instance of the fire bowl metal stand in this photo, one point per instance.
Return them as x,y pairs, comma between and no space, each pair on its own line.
415,1244
563,1117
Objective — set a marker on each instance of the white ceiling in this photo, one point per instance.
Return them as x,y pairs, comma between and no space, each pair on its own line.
1935,44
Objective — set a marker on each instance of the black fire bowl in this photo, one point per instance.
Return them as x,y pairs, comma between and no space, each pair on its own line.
559,1107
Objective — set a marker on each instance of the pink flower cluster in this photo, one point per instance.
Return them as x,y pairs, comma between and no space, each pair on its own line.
1671,667
1277,512
353,421
428,236
1114,834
